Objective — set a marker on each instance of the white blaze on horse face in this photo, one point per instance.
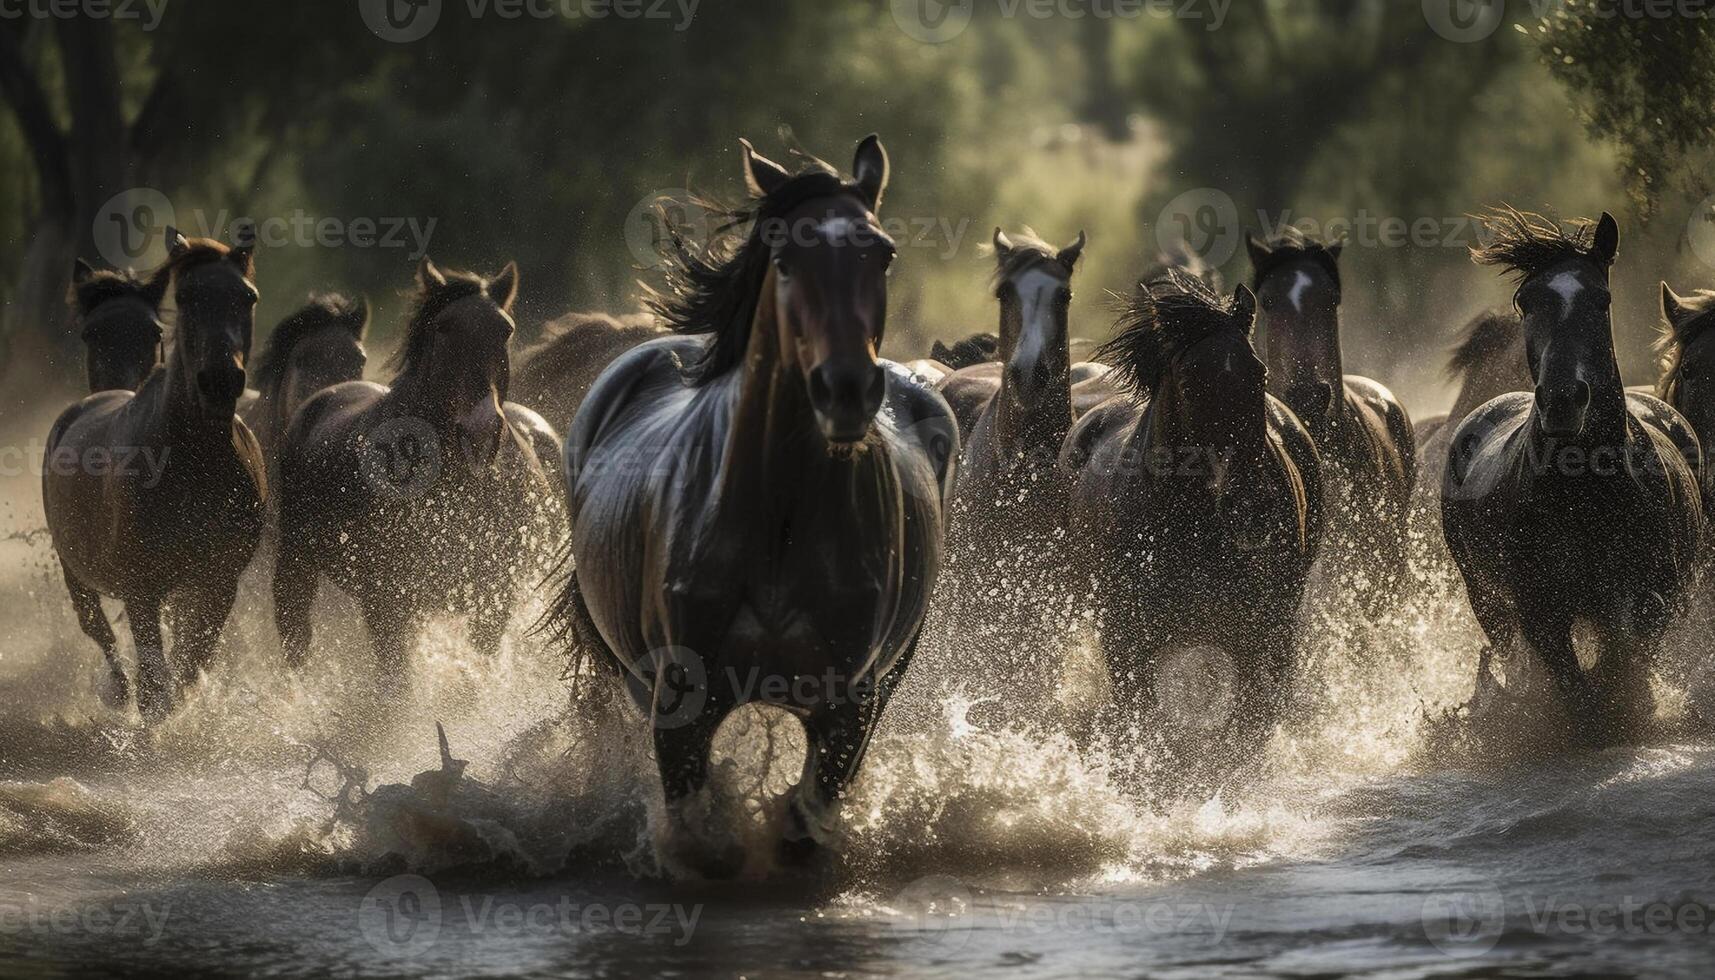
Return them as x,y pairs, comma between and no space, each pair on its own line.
1567,286
1037,290
1300,283
837,231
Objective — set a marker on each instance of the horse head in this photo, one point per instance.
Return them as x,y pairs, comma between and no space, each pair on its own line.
1297,284
216,296
1033,282
829,262
119,314
1688,356
455,362
1563,301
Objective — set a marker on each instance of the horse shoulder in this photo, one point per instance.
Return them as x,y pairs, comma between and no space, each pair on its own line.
1300,451
1097,425
921,411
659,360
1480,434
1664,419
1377,402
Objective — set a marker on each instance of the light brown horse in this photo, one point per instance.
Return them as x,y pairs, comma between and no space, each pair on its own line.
157,498
426,495
119,317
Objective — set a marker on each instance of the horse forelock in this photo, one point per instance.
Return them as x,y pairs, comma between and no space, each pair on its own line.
1525,243
1291,246
1163,319
714,289
426,307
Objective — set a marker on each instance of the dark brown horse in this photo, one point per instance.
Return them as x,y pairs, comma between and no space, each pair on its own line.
157,498
1196,501
553,375
318,346
1572,511
1363,433
119,316
425,496
1488,362
1007,571
1688,369
757,502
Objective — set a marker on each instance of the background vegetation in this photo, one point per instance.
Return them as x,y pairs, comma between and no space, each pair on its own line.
544,139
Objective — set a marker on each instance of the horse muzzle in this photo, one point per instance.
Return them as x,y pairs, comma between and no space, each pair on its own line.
846,400
222,384
1561,409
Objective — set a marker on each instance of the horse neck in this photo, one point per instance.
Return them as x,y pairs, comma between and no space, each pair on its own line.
1316,355
772,434
1166,425
188,422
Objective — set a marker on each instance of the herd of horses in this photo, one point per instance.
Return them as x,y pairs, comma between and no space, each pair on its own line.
747,493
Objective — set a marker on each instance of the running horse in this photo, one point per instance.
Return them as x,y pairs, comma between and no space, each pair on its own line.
1196,501
757,501
1488,362
1572,512
1687,348
318,346
1360,428
1006,526
156,498
427,495
119,317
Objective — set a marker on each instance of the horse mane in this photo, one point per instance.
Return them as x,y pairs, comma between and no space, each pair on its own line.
102,285
975,349
1186,260
1163,319
322,310
1290,244
560,345
1491,333
1525,242
714,289
1675,338
1027,250
202,251
429,303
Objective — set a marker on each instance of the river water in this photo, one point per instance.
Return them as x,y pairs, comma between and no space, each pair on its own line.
282,825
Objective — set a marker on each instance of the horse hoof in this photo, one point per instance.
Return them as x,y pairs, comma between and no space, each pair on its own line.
154,704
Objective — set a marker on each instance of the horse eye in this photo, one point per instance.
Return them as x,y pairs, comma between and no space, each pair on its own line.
781,269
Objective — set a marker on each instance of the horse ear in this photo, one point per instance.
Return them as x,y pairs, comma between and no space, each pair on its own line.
81,271
870,167
357,316
243,252
1244,305
1069,255
177,243
1672,306
1607,239
1002,244
429,275
503,289
761,175
1257,249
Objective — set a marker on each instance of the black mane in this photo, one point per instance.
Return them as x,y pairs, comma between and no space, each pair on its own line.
1291,245
714,289
1491,333
1525,243
431,300
1163,319
975,349
322,310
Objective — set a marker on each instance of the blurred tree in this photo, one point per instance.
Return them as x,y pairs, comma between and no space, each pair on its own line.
1645,82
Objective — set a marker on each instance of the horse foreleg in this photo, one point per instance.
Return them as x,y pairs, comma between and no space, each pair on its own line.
116,693
198,620
294,594
1553,643
685,719
390,625
154,682
838,738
